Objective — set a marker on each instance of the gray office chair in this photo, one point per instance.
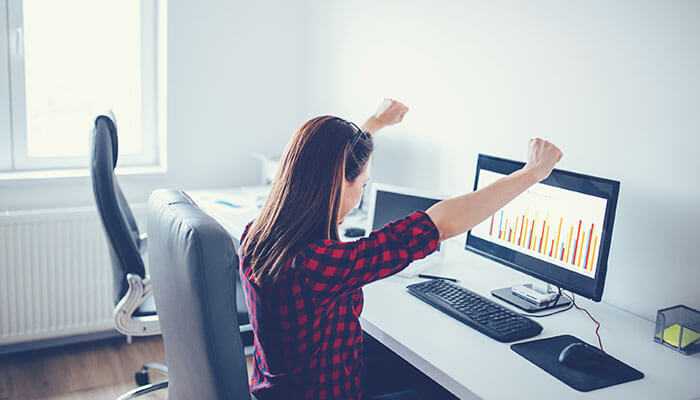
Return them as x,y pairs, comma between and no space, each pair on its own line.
135,311
194,267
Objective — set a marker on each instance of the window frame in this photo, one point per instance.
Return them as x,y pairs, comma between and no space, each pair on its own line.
5,116
14,136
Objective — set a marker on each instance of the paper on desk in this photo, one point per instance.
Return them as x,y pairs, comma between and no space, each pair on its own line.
237,204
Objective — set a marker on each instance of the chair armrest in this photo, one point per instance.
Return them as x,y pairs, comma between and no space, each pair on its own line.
143,243
124,319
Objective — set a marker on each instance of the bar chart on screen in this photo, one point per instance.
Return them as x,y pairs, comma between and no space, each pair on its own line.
556,225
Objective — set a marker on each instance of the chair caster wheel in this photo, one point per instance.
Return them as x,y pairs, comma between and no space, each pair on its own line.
141,377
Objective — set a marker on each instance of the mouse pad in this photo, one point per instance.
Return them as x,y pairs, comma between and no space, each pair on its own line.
545,354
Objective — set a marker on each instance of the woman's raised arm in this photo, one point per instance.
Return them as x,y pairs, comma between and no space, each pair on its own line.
459,214
389,112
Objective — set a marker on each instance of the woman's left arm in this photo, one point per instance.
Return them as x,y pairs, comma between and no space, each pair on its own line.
390,112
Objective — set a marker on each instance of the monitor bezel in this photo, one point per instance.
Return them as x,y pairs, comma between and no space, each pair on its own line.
591,288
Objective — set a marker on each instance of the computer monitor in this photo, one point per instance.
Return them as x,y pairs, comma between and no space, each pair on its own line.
389,203
558,231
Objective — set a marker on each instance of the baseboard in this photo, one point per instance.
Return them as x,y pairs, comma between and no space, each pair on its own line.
58,342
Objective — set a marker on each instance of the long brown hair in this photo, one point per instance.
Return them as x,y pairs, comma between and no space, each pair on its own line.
304,202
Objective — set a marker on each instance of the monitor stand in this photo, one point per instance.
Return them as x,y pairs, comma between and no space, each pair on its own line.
506,294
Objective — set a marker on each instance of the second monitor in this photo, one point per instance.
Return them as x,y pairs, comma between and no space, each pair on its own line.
389,203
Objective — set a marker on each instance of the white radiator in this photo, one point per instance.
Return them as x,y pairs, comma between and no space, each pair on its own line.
55,274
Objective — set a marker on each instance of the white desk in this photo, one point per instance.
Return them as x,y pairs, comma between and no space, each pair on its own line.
472,365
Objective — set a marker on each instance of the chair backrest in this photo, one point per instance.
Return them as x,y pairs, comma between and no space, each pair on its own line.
193,265
117,219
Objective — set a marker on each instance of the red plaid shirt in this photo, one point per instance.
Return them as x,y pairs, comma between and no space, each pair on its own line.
308,339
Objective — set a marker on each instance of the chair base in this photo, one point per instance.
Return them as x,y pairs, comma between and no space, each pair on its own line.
142,376
142,390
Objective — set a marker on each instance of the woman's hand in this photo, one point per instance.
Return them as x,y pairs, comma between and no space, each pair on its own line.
390,112
541,158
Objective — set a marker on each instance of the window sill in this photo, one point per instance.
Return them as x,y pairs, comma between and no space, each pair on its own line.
9,177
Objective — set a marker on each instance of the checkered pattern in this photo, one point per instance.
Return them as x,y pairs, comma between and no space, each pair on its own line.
308,339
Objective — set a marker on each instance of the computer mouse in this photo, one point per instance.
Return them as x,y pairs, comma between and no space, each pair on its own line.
354,232
581,355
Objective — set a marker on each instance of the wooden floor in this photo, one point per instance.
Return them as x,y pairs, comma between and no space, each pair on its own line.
95,371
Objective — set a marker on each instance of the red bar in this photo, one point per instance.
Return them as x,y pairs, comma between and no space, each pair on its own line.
532,229
491,228
588,246
539,249
551,250
561,257
522,224
576,242
510,233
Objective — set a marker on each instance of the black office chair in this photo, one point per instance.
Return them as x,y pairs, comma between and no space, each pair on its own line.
135,311
194,268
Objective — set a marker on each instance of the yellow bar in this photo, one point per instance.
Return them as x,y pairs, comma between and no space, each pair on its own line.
568,244
556,246
592,256
546,241
580,248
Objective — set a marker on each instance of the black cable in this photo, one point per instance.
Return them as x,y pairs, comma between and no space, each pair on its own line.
597,324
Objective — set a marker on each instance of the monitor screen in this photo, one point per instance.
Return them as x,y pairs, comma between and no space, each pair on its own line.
391,206
558,230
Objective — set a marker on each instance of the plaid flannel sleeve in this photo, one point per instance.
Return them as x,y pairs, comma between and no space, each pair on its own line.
334,267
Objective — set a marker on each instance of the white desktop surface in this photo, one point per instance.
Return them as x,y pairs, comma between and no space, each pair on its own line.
234,219
472,365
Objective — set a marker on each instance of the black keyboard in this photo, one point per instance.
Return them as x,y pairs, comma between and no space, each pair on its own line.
482,314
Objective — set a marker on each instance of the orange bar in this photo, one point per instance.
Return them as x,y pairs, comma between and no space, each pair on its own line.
525,234
580,248
568,244
578,237
522,231
561,221
591,262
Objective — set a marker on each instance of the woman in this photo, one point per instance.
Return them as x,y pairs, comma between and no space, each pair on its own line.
303,285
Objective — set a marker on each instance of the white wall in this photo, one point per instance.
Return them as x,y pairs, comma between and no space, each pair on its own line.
615,84
231,66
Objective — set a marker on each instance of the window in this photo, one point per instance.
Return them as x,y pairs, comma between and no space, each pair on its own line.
64,62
